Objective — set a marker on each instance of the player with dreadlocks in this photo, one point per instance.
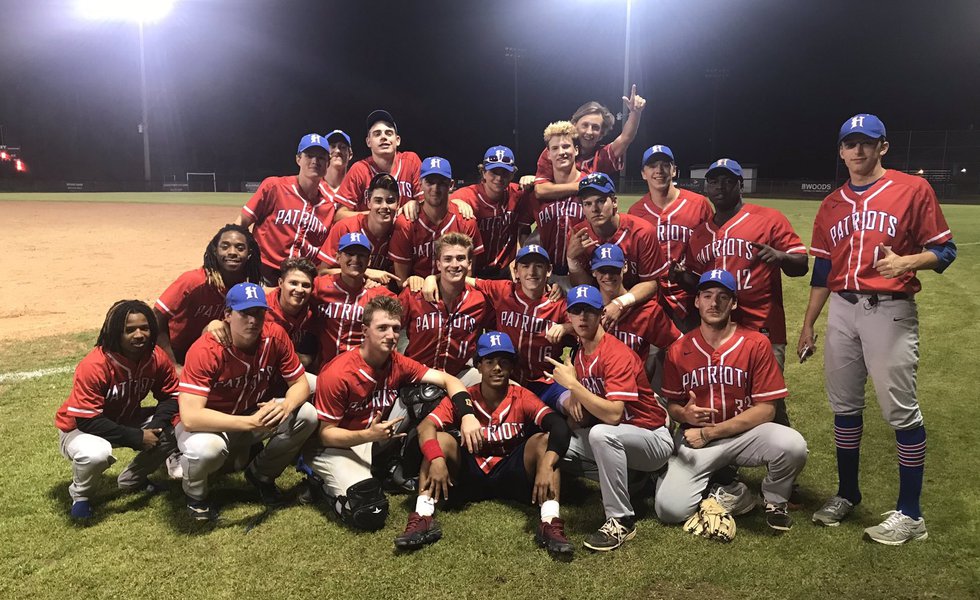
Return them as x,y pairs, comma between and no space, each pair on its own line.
188,305
198,296
103,410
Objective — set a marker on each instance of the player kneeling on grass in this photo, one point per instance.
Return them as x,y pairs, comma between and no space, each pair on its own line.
607,382
503,467
103,410
225,403
355,400
722,382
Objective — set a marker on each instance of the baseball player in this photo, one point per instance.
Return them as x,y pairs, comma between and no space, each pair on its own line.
555,216
291,214
383,142
676,213
339,300
755,244
338,160
225,406
604,225
443,333
870,237
501,210
608,387
377,225
411,242
593,122
644,325
103,409
525,441
355,409
722,379
186,307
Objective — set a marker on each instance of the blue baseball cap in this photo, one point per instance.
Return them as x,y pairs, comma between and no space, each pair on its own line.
600,182
310,140
657,151
383,116
336,133
608,255
436,165
354,238
532,250
869,125
493,342
718,277
499,157
584,294
244,296
725,164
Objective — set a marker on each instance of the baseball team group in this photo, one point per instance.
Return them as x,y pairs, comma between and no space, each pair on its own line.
383,332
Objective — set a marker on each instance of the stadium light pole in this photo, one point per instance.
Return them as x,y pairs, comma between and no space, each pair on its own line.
626,87
140,12
516,54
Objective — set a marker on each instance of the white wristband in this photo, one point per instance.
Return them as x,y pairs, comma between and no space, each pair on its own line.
627,300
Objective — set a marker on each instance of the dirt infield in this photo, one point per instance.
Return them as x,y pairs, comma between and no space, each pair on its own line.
66,263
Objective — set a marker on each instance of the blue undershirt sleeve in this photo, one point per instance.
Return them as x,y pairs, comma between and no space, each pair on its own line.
820,272
946,253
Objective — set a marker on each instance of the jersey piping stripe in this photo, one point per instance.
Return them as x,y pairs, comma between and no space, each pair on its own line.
860,256
539,415
783,392
371,379
721,361
83,411
327,415
250,211
195,388
936,237
165,308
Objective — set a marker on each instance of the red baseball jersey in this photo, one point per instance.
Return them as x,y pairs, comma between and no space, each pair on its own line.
675,223
644,326
233,381
760,285
294,327
504,428
110,385
615,372
555,219
602,161
331,194
525,321
286,223
412,242
190,303
357,224
356,392
337,311
640,245
900,211
440,336
730,378
354,189
498,222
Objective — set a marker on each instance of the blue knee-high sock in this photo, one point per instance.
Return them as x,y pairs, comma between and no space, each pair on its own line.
847,438
911,465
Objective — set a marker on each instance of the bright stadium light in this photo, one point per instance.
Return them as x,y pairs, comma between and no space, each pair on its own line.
140,12
20,166
963,170
137,11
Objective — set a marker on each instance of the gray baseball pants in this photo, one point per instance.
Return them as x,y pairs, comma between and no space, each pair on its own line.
91,455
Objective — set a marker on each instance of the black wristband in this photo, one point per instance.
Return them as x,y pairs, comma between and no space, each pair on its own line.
463,403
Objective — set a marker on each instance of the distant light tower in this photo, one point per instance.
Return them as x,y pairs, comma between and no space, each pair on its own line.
139,12
516,54
626,86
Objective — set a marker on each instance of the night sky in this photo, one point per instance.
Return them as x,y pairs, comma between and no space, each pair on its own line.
234,84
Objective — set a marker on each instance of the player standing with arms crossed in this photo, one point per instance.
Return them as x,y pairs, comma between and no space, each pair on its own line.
676,213
292,215
592,122
103,410
755,244
870,237
722,381
225,406
607,383
501,210
514,463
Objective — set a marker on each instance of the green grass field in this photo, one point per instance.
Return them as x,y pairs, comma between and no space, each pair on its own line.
142,546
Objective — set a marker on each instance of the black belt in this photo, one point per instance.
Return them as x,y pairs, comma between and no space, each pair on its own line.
873,297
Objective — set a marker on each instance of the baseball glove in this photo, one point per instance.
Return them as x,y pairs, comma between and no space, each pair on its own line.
711,521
